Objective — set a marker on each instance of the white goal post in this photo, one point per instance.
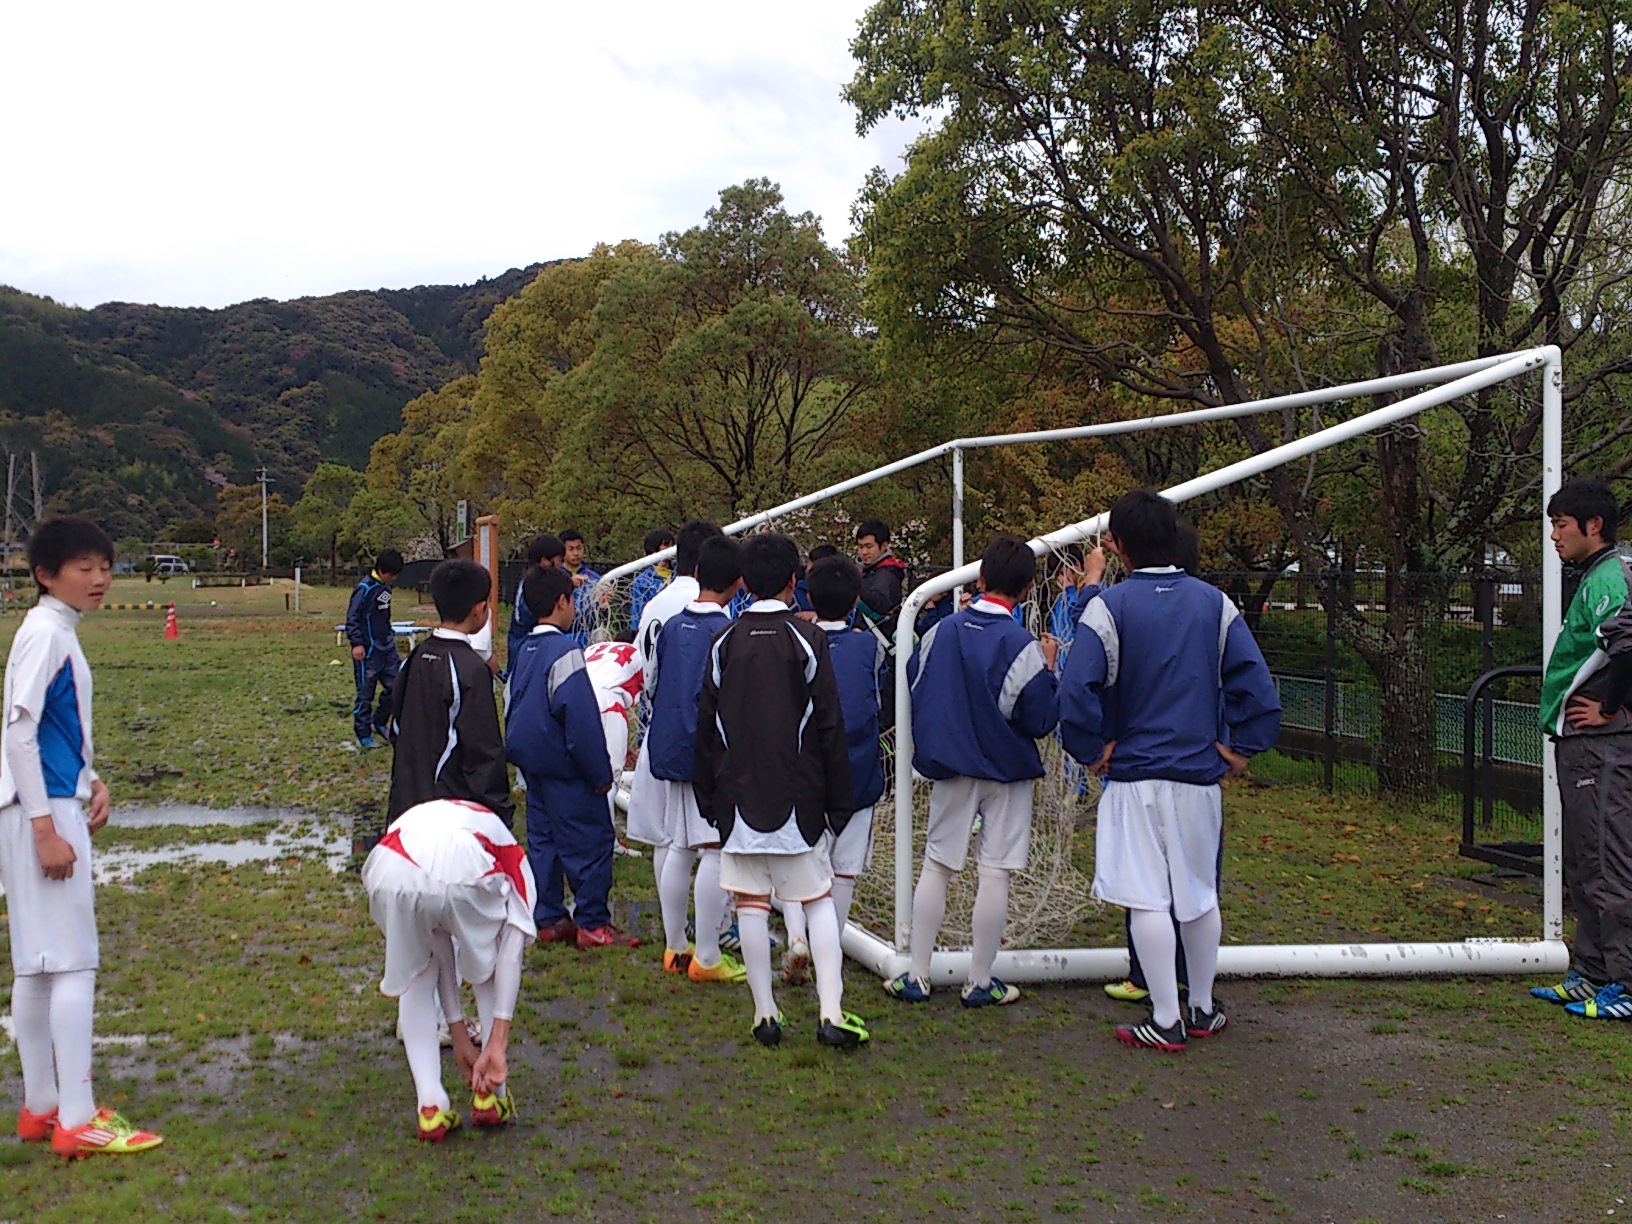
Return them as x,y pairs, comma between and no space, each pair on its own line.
1445,383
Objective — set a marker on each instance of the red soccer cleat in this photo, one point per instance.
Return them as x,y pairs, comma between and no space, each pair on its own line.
105,1133
35,1128
605,937
562,930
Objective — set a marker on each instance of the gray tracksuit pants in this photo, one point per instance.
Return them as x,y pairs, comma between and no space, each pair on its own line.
1595,778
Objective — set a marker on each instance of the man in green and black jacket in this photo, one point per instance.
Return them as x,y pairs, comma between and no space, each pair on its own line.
1584,710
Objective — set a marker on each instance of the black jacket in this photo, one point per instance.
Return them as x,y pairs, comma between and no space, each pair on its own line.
881,586
448,742
770,734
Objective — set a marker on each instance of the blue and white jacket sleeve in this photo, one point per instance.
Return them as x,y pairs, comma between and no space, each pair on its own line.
1028,698
1088,669
573,705
1252,707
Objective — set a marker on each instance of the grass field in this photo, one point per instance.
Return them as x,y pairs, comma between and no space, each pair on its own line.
240,1016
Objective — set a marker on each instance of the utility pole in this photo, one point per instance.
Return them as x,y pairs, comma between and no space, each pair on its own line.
264,480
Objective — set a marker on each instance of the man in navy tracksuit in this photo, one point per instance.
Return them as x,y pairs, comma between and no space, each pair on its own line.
1165,693
554,736
373,646
982,695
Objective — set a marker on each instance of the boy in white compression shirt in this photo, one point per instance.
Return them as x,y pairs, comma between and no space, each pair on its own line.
52,802
450,872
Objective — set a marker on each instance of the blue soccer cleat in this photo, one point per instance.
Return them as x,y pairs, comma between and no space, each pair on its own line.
1612,1002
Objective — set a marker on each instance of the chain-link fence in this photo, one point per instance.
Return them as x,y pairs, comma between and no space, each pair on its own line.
1374,672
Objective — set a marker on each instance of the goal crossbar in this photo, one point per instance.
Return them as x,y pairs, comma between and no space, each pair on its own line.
1546,955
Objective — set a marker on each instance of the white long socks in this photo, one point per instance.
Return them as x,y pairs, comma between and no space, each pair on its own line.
1153,937
827,956
710,902
674,895
52,1014
844,892
31,1019
991,908
793,918
416,1020
1201,938
928,912
756,957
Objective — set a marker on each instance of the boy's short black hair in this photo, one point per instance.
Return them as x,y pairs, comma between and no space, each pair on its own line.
61,540
877,528
543,548
1587,499
768,564
1146,525
657,539
1187,548
571,534
626,636
388,562
822,551
1007,567
719,564
543,588
457,587
688,541
1070,554
834,585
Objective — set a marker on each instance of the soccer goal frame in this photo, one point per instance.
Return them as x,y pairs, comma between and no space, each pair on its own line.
1443,384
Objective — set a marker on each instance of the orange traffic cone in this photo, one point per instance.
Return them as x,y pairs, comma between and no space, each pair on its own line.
170,630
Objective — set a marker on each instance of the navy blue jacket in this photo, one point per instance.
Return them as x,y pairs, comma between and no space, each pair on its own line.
368,616
981,697
674,682
1164,665
522,622
552,718
866,681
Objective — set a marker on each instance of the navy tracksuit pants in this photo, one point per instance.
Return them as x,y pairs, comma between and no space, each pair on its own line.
569,842
377,667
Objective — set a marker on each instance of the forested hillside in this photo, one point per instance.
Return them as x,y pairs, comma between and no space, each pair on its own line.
141,413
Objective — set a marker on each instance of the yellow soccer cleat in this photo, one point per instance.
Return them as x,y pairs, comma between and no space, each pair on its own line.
434,1124
491,1109
728,970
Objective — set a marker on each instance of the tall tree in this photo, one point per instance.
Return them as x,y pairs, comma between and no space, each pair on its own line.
1211,204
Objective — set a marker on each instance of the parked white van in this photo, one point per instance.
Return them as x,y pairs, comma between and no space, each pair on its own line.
165,563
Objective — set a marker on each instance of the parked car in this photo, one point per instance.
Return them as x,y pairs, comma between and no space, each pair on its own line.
165,563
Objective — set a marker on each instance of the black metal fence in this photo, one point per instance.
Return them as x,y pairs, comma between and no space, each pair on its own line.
1375,673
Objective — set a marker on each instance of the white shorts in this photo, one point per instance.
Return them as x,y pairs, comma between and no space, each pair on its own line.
410,907
53,922
1156,846
1004,808
646,804
851,852
792,877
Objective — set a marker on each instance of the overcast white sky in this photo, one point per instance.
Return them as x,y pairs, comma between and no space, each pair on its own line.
203,154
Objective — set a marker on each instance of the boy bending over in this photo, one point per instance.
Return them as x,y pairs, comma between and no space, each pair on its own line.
447,871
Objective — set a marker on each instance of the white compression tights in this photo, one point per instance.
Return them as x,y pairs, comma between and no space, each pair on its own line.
674,895
52,1015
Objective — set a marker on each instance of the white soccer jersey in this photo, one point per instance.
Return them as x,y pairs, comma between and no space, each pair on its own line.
48,680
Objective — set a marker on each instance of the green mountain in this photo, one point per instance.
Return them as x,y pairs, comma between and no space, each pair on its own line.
140,413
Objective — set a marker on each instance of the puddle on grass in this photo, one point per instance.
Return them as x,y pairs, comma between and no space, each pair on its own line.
292,834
